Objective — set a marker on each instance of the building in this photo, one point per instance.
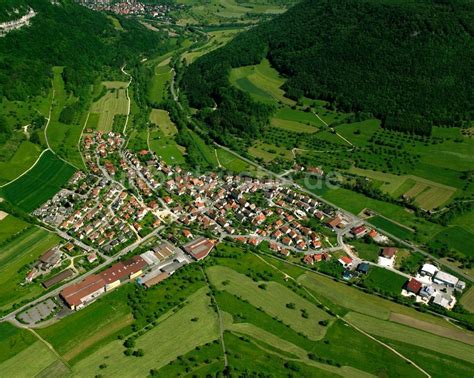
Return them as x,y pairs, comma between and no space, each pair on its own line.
58,278
335,222
122,271
359,231
443,278
50,258
363,268
444,300
346,262
153,278
79,295
428,270
199,248
413,286
389,252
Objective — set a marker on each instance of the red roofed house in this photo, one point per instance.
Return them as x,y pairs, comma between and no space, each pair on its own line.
187,234
389,252
359,231
413,286
373,233
345,261
308,259
334,222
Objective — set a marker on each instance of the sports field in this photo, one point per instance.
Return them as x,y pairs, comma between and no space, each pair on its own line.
15,257
261,81
40,183
175,335
114,102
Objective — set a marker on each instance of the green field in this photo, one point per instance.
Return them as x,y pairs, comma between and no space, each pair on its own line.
166,147
114,102
161,118
384,281
261,81
161,78
293,126
416,337
175,335
15,257
391,227
456,238
64,138
39,184
23,158
272,300
9,226
84,329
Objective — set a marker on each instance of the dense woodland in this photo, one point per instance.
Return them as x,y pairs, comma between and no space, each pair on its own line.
67,34
407,63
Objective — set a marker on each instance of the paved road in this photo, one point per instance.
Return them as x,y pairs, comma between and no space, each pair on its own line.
355,219
124,251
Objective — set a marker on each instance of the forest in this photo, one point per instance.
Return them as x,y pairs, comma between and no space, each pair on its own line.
409,64
67,34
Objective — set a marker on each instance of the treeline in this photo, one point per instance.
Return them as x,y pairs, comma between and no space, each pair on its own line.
226,109
67,34
408,63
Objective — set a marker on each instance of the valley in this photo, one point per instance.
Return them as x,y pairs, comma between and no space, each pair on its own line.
249,232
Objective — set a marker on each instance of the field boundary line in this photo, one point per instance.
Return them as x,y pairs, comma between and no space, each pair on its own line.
50,347
219,315
287,276
29,169
80,139
128,98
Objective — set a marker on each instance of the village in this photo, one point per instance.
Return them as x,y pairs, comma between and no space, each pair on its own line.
134,217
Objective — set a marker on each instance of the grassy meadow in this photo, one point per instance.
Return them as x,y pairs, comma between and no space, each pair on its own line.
40,183
114,102
15,258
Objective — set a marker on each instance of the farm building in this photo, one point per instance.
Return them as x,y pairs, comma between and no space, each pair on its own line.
449,280
199,248
58,278
78,295
428,270
122,271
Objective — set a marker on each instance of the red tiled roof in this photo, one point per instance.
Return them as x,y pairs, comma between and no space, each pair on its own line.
414,286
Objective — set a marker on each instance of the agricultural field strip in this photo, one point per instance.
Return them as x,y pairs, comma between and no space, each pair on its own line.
27,361
272,299
253,331
178,326
414,336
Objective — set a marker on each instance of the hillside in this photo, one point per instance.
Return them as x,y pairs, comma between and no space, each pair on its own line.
407,63
65,34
